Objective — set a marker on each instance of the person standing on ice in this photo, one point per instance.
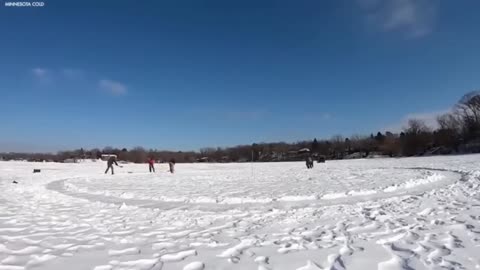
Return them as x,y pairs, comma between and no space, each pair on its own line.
111,160
151,162
309,162
171,164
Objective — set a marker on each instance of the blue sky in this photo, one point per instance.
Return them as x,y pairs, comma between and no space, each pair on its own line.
183,75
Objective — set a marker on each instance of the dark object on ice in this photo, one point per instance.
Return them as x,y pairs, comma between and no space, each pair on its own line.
36,170
321,159
110,162
15,182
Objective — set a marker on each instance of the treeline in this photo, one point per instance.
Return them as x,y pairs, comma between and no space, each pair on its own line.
458,132
136,155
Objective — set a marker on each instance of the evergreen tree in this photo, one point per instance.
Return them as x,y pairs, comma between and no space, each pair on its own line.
315,146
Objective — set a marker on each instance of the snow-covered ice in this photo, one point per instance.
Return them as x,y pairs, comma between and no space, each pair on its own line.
409,213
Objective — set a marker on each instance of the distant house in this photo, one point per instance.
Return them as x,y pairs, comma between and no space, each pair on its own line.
70,160
355,155
203,159
296,155
105,157
304,151
376,155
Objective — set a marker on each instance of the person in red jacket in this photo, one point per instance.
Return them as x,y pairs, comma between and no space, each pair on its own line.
151,162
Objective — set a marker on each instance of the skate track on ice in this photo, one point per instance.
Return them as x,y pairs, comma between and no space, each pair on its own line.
209,204
415,213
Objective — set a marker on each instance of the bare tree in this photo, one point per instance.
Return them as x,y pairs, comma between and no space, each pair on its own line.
338,146
390,146
468,109
415,127
469,105
450,121
137,155
417,138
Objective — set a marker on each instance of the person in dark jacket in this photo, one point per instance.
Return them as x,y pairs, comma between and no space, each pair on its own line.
110,162
151,162
309,162
171,164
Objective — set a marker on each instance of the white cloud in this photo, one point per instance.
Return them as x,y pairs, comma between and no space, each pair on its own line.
49,75
429,118
113,87
42,74
415,18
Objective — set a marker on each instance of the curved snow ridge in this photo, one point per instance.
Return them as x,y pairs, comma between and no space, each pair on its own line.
244,200
298,198
351,193
412,183
230,184
430,180
196,200
435,177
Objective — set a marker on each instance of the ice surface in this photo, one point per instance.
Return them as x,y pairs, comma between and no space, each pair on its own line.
409,213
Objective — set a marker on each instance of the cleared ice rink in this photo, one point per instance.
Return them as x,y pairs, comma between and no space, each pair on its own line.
409,213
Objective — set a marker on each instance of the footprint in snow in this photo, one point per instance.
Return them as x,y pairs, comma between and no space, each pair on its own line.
310,266
180,256
194,266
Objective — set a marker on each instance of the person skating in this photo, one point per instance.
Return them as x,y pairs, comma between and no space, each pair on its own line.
110,162
309,162
171,164
151,163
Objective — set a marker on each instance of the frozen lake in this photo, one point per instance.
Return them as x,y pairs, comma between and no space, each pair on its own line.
409,213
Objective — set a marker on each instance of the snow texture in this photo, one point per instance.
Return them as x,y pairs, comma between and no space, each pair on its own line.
409,213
